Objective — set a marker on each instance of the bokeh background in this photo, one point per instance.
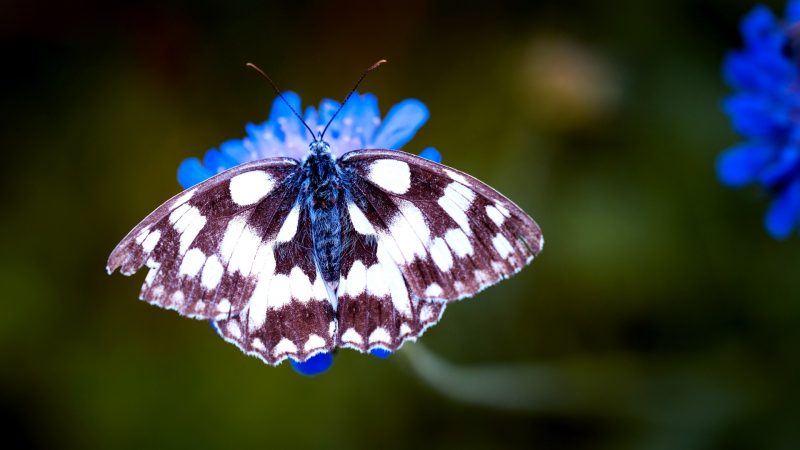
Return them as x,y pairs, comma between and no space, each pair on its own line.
659,316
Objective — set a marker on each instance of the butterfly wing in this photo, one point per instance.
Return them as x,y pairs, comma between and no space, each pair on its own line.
206,246
290,312
376,309
433,234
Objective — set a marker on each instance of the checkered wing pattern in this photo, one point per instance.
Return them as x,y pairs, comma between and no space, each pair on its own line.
424,234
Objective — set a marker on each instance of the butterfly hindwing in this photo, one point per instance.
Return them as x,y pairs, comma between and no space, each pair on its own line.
290,312
375,308
450,234
203,245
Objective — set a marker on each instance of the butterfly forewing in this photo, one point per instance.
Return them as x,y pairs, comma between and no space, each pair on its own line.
202,246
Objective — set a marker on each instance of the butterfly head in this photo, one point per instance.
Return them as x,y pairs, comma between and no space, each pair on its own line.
319,147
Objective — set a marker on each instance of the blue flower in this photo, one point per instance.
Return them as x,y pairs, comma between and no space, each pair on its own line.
358,126
765,110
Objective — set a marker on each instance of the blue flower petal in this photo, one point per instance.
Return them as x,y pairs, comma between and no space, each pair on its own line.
216,161
215,327
381,353
315,365
782,167
369,117
191,172
784,212
754,115
758,25
400,125
743,164
326,109
287,124
237,151
793,11
431,154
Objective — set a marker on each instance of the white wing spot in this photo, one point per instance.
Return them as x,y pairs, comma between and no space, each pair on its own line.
142,234
426,313
376,283
393,281
183,198
497,217
250,187
231,236
244,254
151,275
351,335
314,342
458,242
300,285
284,346
503,210
392,175
380,335
175,215
189,226
356,281
150,242
224,306
212,273
405,329
177,298
400,231
192,262
258,344
456,176
433,290
498,267
279,292
289,227
233,329
460,194
502,245
359,220
449,203
441,254
415,219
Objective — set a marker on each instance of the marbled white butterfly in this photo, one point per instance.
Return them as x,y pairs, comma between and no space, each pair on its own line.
292,258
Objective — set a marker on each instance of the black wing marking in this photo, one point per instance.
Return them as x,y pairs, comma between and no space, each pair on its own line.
450,234
206,245
291,313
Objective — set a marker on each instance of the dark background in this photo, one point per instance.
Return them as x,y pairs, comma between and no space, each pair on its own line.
659,316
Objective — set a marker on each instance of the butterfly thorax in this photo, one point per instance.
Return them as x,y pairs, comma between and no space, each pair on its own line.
321,196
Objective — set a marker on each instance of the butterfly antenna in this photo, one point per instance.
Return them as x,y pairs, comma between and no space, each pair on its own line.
363,75
280,94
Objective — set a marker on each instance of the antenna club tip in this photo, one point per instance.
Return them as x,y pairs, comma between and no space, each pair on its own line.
375,66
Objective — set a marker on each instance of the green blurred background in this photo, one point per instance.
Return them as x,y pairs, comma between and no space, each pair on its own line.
659,316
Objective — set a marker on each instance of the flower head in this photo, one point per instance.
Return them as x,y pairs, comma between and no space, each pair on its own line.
358,126
765,109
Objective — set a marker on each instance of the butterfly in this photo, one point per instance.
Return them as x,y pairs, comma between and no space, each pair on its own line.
290,258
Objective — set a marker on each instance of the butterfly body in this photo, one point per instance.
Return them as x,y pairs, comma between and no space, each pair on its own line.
292,258
322,189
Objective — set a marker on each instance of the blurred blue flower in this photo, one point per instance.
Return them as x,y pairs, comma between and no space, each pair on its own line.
765,109
358,126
